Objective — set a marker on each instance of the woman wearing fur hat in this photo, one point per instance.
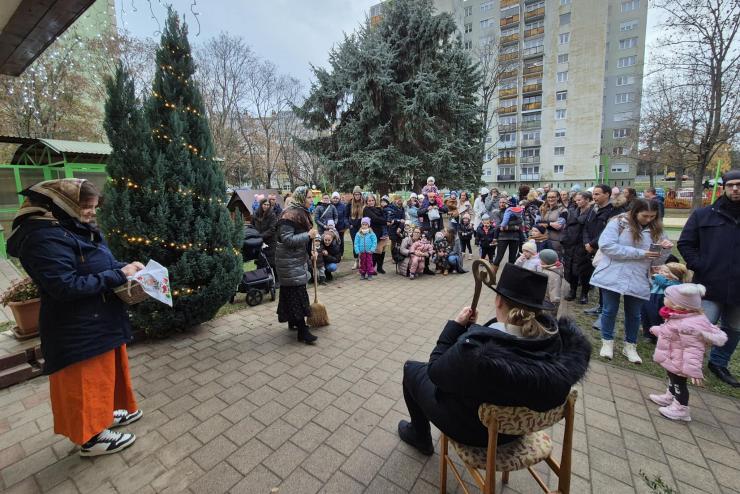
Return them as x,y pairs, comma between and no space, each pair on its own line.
355,209
524,357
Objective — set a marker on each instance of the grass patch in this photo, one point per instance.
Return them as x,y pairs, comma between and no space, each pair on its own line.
6,326
645,349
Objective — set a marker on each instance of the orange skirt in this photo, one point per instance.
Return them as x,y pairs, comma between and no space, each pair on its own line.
84,395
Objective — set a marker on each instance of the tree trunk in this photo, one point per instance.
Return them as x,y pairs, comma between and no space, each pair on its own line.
679,177
651,174
701,169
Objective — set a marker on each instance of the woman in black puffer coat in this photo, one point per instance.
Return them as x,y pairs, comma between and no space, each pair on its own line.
265,222
576,260
379,226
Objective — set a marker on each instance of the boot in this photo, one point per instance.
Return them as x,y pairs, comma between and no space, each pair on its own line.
408,435
629,350
572,293
329,276
460,270
584,296
724,375
355,264
663,400
305,335
426,267
607,349
676,411
381,260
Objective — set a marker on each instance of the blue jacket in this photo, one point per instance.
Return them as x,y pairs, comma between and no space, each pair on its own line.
366,243
709,244
343,213
75,271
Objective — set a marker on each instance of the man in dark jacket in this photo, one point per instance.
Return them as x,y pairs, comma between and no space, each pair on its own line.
532,365
342,222
652,195
602,211
709,244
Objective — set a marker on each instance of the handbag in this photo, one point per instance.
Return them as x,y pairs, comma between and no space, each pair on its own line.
433,214
598,257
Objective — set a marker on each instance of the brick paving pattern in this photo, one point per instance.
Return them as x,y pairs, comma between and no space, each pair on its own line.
238,405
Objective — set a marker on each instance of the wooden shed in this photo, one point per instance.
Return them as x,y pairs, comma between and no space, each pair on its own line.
242,199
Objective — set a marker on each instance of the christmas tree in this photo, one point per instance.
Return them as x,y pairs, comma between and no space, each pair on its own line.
398,104
166,194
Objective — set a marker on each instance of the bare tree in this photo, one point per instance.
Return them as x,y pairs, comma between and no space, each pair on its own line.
490,70
699,80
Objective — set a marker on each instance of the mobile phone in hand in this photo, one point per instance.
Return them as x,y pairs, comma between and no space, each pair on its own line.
655,248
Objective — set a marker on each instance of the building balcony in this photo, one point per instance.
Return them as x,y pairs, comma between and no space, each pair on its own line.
508,3
507,40
530,142
508,74
535,14
509,21
508,57
537,69
535,124
531,177
505,178
508,93
529,33
537,105
527,160
533,51
527,2
532,88
506,160
508,109
506,145
506,128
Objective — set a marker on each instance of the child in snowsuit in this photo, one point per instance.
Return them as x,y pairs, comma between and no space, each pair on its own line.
682,340
365,244
465,232
672,273
442,251
420,251
486,237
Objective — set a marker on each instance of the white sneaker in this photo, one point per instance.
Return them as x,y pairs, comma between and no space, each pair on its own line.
122,417
630,351
470,257
607,349
354,265
107,442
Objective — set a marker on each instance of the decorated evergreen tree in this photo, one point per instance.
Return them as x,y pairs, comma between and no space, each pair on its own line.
398,104
165,199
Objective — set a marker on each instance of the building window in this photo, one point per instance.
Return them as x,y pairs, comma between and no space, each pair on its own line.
507,153
561,95
530,170
630,5
489,156
530,152
505,170
468,11
560,114
564,38
469,27
509,120
627,43
565,19
559,132
558,168
563,58
563,76
486,23
559,150
629,25
489,139
623,117
620,168
535,6
621,151
531,135
468,45
627,61
621,133
621,98
486,6
625,80
508,138
487,172
564,2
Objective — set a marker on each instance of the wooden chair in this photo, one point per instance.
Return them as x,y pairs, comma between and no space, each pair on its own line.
534,446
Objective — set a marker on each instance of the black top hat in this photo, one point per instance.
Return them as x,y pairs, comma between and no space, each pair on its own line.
523,286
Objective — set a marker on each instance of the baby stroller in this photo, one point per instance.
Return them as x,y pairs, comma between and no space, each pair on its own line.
261,280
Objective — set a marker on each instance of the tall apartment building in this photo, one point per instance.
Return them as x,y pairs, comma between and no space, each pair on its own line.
569,91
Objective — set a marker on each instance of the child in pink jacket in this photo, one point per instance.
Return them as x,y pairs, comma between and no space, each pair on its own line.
420,250
682,340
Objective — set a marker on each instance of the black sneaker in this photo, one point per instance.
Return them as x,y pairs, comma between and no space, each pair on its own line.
106,443
408,435
122,417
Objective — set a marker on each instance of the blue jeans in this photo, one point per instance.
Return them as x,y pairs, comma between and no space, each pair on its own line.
730,316
632,307
453,260
331,267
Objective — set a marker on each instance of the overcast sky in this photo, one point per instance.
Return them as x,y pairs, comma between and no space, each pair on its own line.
291,33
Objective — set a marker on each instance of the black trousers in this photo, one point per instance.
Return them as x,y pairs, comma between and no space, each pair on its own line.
488,252
503,245
352,232
465,244
679,389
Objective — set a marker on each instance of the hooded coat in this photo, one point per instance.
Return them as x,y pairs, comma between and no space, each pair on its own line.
477,365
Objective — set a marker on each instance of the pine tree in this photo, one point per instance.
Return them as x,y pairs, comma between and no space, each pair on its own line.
398,103
167,194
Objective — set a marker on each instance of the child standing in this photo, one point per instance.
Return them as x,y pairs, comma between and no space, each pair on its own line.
465,232
672,273
551,266
420,251
682,340
365,244
486,236
441,253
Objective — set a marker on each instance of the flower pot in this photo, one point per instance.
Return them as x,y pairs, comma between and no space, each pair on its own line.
26,315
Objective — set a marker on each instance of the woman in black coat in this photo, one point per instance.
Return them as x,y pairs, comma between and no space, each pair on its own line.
380,228
576,260
265,222
83,325
521,358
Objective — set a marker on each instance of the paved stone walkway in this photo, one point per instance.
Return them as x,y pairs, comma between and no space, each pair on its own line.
239,406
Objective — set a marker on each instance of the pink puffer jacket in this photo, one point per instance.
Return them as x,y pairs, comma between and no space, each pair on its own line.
682,340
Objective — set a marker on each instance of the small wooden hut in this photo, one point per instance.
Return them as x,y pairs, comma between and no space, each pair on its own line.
242,199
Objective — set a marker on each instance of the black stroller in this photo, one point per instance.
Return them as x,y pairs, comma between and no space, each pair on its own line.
261,280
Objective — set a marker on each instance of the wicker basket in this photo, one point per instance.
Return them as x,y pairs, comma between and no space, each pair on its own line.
131,292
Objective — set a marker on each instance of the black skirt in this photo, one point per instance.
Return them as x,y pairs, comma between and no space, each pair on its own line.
293,303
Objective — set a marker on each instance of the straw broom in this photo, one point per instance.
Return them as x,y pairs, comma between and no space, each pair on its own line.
319,317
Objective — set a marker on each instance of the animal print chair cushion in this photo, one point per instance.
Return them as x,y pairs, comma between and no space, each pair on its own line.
517,455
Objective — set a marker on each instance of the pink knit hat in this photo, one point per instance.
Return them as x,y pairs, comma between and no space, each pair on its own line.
687,295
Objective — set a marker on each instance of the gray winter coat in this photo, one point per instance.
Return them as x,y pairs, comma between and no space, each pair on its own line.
291,254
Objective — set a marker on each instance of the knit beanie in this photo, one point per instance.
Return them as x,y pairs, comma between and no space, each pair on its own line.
687,295
335,194
540,228
548,257
413,196
430,179
330,224
485,217
357,190
530,246
484,190
386,199
439,236
365,221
